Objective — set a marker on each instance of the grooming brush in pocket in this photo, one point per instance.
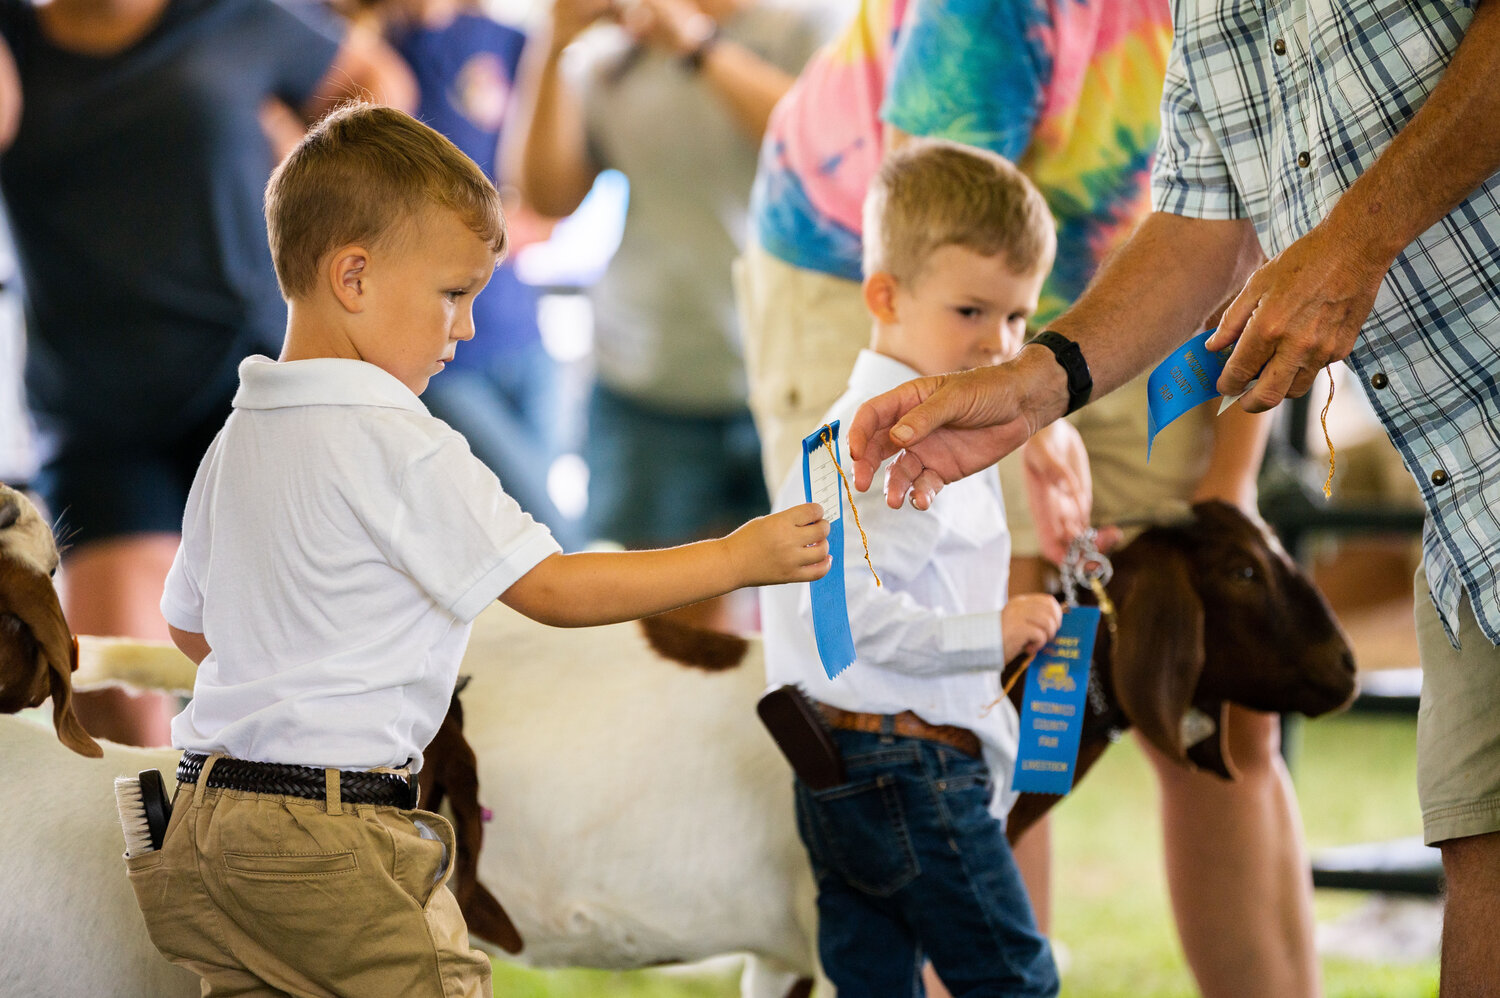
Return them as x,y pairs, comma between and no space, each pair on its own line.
144,810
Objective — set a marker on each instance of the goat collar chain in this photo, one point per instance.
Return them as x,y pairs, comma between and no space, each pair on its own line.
1086,565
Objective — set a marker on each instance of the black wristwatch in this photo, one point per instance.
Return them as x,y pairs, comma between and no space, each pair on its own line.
1070,358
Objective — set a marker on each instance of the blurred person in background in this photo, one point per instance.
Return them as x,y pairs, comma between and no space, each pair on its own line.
136,138
676,97
501,389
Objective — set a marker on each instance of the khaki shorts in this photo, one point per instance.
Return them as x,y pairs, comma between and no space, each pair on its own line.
261,894
1458,729
1125,484
803,331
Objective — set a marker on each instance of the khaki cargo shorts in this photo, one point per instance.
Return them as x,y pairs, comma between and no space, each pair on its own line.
262,894
1458,726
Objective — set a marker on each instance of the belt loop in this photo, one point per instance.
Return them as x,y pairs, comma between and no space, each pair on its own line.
208,767
335,803
887,729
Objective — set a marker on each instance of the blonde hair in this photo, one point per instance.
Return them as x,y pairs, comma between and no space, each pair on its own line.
929,194
358,176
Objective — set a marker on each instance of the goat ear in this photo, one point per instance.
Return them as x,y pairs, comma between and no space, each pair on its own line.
1158,657
70,730
31,598
1211,753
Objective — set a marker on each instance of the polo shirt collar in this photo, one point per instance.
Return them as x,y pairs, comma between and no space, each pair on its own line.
270,384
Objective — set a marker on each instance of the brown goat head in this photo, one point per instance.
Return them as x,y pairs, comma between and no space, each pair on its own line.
36,646
1211,612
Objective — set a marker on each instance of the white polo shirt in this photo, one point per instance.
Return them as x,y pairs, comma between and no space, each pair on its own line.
929,639
337,543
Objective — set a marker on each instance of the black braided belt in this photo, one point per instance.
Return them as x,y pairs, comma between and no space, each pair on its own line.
355,786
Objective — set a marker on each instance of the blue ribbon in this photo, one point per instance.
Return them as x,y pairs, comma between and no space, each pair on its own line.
829,607
1054,705
1184,381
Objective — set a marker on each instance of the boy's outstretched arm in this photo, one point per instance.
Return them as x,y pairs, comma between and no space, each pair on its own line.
603,587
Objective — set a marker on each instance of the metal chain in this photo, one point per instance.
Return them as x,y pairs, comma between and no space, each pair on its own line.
1084,566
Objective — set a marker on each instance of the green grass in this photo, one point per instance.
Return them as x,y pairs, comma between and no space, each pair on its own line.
1356,780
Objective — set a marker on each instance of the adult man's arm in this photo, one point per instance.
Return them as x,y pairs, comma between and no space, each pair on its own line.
1158,289
1304,309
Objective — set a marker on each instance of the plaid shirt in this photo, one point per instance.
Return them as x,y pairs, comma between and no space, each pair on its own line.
1270,112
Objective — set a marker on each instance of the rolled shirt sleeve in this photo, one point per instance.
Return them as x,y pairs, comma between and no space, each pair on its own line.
1190,175
458,535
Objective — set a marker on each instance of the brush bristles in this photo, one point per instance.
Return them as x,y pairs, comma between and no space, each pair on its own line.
132,816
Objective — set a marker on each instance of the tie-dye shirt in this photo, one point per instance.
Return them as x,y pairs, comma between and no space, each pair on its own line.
1068,89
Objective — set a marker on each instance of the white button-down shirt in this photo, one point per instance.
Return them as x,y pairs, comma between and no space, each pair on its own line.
929,639
1270,112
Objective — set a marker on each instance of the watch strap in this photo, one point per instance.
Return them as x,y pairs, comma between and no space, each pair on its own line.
1070,359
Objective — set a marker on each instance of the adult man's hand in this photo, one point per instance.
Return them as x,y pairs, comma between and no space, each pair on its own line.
952,425
1297,314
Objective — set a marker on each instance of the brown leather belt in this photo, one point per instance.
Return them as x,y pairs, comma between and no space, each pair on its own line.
906,724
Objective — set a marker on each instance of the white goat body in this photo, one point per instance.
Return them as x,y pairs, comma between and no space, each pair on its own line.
641,815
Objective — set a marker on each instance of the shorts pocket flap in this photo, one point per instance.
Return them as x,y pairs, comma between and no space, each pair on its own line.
290,864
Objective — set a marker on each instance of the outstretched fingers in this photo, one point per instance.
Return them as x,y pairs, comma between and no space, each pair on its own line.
887,423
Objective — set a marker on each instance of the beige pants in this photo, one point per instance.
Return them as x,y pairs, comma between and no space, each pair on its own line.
261,894
803,330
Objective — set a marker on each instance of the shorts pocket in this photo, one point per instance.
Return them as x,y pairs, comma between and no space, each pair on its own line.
290,865
143,863
423,855
865,835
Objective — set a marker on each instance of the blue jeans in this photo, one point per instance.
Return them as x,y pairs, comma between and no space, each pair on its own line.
657,478
910,864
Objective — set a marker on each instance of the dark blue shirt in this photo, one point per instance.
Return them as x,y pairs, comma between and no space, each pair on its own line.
135,187
466,72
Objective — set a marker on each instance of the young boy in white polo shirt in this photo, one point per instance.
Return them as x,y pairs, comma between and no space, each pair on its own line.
338,541
909,852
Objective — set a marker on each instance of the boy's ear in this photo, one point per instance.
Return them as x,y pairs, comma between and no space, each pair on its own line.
880,296
346,276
